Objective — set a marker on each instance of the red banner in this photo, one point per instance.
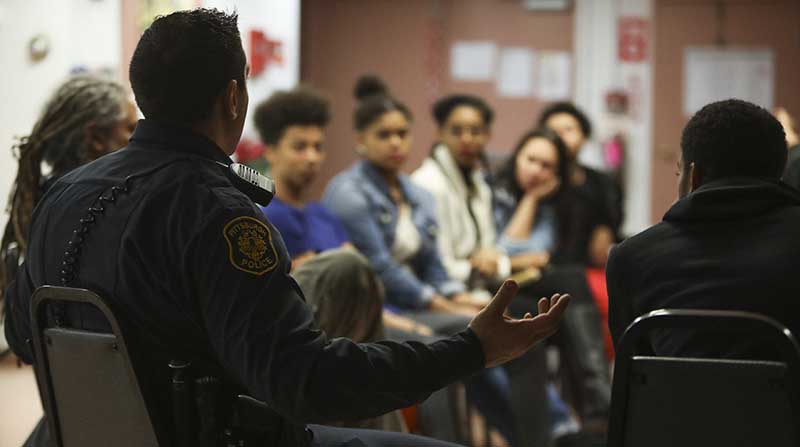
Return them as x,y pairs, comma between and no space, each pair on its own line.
263,52
632,39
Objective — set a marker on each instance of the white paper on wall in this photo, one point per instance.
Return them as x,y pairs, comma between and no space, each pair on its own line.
472,60
95,47
515,72
279,20
554,75
712,74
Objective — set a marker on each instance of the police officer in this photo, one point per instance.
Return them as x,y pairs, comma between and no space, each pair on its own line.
163,230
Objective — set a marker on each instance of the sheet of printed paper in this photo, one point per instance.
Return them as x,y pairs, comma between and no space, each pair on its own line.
554,76
473,60
712,74
515,72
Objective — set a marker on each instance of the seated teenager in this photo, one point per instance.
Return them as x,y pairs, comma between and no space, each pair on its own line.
454,176
292,127
533,212
392,222
598,199
597,206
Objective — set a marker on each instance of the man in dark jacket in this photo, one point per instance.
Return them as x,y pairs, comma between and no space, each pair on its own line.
166,232
730,242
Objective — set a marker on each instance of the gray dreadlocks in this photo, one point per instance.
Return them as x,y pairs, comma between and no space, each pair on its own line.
59,139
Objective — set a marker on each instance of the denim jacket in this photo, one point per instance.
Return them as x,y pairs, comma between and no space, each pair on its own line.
360,198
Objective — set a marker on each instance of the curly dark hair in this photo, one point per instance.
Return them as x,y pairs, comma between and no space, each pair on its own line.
734,138
183,61
442,108
374,100
569,109
301,106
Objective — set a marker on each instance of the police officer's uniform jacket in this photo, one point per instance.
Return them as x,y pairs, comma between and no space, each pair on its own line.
197,271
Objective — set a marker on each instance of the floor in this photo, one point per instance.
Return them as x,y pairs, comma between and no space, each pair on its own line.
20,408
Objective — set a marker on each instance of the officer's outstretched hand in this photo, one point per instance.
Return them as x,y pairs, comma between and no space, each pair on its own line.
504,338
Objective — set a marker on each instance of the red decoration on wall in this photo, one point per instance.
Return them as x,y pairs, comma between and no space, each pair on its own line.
263,52
248,150
632,39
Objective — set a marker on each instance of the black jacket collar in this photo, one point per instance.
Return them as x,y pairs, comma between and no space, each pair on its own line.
151,134
732,198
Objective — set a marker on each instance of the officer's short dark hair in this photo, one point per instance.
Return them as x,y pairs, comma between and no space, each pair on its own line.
734,138
569,109
301,106
444,107
183,61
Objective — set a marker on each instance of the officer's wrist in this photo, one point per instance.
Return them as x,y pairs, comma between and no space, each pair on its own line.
473,339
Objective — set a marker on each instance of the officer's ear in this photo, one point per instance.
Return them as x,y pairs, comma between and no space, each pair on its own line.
232,107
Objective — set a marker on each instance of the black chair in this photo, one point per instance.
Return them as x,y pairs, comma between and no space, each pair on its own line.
668,401
9,261
89,390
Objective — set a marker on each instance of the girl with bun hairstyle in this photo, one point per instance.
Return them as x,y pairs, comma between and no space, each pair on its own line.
392,223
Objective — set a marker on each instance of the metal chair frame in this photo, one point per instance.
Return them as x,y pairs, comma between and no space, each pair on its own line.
50,294
719,321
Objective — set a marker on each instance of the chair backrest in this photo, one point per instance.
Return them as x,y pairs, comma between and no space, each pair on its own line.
89,390
668,401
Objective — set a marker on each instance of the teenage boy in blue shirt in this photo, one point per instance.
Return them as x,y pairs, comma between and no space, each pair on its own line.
292,127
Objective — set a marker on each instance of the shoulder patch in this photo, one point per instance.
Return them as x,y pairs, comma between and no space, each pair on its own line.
250,247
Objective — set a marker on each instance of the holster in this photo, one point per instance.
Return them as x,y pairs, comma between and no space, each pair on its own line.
207,412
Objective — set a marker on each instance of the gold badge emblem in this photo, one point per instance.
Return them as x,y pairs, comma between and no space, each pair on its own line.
250,245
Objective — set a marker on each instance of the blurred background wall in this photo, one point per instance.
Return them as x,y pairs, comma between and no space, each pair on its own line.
629,63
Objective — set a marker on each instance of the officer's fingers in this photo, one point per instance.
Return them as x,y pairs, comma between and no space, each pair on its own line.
558,305
503,297
543,305
554,299
547,322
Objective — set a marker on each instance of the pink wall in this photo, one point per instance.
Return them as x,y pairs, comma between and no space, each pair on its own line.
407,43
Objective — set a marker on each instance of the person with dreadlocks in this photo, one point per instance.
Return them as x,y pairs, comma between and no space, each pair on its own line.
86,117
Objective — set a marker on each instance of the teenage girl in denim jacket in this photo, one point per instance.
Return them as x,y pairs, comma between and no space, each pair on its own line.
392,223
